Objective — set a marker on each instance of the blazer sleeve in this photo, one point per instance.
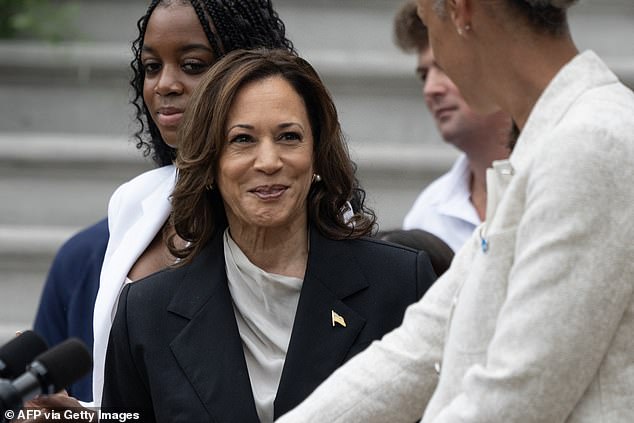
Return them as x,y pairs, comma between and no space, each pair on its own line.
125,389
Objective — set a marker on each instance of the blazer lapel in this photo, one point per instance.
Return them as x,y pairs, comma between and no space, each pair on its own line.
148,221
319,344
498,177
209,348
128,246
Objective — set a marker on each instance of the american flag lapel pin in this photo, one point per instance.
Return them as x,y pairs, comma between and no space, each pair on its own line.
337,319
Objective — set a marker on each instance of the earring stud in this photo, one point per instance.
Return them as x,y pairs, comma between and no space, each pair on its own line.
462,31
316,177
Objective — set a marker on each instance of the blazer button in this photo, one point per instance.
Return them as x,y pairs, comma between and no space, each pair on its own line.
437,367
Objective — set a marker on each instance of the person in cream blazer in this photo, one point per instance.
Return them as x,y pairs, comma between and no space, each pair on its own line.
534,320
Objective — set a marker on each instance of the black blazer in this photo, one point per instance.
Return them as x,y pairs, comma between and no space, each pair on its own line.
175,353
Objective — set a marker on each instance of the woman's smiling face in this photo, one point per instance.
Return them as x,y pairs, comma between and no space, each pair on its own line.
266,166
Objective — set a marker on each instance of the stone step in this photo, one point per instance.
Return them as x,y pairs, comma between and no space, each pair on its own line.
62,180
26,253
19,300
604,25
32,244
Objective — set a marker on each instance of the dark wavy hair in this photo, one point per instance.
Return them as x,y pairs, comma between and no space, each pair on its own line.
229,25
548,16
198,212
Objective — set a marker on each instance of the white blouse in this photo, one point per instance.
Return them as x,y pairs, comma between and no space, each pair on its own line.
265,306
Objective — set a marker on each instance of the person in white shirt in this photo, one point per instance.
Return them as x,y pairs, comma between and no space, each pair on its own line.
454,204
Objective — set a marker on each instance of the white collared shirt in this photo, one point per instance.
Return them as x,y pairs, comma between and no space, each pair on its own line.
444,208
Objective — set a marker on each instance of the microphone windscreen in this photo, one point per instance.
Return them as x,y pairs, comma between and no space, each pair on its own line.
19,352
66,363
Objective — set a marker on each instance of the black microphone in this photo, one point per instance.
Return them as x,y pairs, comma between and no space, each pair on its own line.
18,352
50,372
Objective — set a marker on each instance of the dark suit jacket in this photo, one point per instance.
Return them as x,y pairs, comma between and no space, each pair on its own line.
176,355
68,298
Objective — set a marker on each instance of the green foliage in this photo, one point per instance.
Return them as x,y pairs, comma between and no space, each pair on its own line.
37,19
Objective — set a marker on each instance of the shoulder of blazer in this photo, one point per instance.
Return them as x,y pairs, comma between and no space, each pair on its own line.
374,252
134,191
375,243
183,290
365,261
161,284
399,264
126,205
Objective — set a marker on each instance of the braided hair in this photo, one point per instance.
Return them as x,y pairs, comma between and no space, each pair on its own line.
238,24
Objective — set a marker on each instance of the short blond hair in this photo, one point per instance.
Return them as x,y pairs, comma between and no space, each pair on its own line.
410,33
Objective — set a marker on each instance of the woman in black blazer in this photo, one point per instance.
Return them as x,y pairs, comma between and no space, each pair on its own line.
276,284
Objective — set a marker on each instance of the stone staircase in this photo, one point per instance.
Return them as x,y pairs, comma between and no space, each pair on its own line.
65,120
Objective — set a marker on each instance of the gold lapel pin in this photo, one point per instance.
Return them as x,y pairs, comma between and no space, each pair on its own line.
338,319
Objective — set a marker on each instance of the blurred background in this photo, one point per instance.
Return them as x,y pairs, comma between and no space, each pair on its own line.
65,121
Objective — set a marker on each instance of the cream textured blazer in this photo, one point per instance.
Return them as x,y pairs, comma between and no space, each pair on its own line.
534,321
136,213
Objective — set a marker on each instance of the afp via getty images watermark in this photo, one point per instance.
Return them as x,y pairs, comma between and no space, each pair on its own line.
70,415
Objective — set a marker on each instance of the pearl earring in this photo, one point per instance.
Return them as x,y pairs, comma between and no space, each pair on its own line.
316,177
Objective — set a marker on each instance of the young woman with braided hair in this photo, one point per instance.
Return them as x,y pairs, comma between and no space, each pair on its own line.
227,26
179,40
68,298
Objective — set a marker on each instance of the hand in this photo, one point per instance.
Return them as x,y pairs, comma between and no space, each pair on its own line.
57,403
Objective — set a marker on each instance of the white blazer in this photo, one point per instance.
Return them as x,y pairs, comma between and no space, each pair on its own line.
534,321
136,212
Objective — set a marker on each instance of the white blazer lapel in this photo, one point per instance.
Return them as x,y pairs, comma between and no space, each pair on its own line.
144,225
498,179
